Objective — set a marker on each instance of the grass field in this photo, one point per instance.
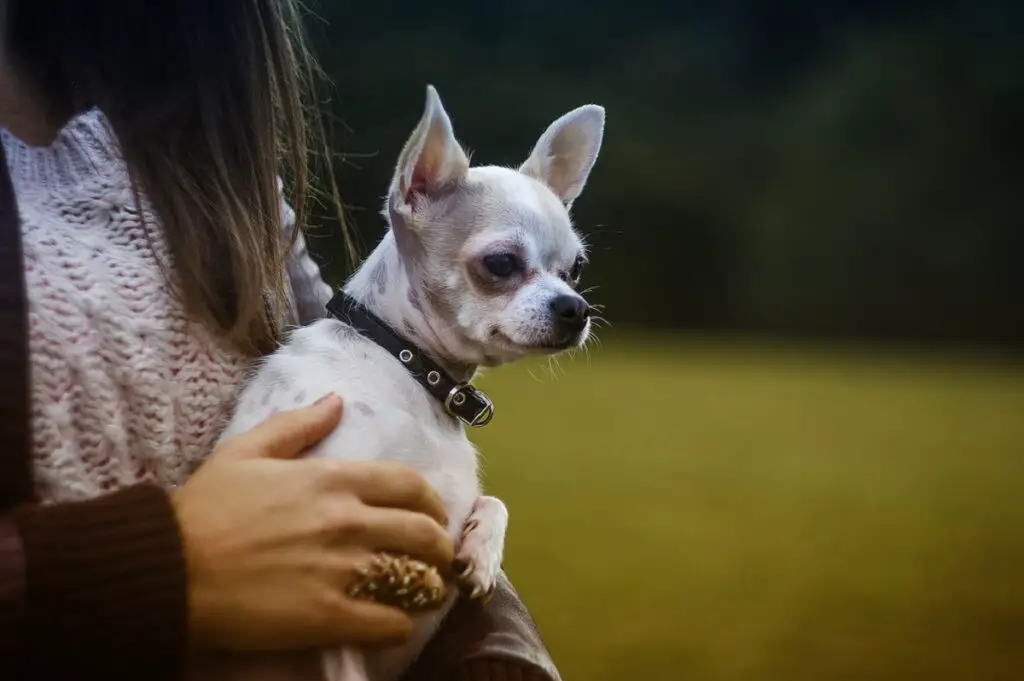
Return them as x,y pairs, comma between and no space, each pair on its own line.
693,511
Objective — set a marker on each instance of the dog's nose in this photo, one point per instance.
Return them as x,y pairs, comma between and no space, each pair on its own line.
571,312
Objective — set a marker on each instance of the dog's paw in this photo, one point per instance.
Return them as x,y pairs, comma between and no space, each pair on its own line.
481,549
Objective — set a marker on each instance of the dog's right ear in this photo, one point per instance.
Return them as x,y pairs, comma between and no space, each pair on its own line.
431,161
565,154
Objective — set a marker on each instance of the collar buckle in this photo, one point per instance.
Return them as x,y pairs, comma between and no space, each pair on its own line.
457,398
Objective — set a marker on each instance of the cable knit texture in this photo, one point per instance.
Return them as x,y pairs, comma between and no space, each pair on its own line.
125,388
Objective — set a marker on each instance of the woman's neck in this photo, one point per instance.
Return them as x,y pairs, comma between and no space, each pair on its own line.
24,112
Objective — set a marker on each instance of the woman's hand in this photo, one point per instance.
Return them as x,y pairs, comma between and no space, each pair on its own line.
271,543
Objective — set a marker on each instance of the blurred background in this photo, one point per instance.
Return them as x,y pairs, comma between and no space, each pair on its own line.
797,452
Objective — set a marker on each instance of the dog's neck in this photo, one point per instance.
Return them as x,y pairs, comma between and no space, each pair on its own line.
383,286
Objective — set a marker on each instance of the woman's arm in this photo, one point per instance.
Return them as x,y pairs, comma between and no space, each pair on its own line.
309,289
12,591
86,589
497,641
94,588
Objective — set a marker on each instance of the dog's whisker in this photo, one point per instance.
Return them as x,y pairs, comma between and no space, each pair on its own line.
545,372
588,354
558,364
556,367
551,369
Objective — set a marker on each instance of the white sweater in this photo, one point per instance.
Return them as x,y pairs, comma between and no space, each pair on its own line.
124,388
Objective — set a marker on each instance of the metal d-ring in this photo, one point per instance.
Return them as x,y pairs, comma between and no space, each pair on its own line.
457,396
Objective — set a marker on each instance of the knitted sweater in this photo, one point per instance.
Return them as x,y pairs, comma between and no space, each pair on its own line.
126,398
125,388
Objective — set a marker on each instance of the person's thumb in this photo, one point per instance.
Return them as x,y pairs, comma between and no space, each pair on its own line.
288,434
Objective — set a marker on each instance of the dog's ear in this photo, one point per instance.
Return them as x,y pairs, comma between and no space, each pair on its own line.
432,160
566,152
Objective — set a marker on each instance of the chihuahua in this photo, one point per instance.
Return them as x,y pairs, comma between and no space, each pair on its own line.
479,268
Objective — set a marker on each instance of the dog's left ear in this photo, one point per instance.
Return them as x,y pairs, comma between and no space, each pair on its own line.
432,160
566,152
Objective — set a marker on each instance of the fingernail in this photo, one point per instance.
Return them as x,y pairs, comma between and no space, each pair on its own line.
325,399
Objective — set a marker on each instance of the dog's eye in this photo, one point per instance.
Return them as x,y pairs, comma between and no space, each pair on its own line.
576,271
501,265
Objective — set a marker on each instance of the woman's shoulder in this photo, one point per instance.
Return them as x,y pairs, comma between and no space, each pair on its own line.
83,158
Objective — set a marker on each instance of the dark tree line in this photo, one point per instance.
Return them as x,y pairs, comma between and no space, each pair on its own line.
796,167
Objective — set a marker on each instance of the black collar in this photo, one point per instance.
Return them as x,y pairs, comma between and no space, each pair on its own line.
460,400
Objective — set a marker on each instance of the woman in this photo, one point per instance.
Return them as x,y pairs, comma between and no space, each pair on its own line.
144,142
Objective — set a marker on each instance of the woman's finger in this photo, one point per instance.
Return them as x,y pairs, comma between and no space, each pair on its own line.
369,623
288,434
402,532
388,485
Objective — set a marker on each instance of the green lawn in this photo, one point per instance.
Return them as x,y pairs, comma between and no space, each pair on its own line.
687,511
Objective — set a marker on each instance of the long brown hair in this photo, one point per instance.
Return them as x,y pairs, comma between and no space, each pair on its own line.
212,101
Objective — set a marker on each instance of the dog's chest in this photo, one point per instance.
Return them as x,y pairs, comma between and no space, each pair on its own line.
387,414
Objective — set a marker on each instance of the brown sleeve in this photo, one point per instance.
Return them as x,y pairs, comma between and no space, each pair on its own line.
497,641
104,589
12,591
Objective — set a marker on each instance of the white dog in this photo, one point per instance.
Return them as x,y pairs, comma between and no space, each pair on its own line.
479,268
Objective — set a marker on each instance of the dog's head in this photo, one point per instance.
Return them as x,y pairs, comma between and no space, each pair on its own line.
492,250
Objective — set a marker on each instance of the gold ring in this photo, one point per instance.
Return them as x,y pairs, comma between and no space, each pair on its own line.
399,581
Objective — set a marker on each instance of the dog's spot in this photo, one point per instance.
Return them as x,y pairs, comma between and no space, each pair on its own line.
414,300
266,399
300,397
407,325
380,277
275,380
363,408
440,304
